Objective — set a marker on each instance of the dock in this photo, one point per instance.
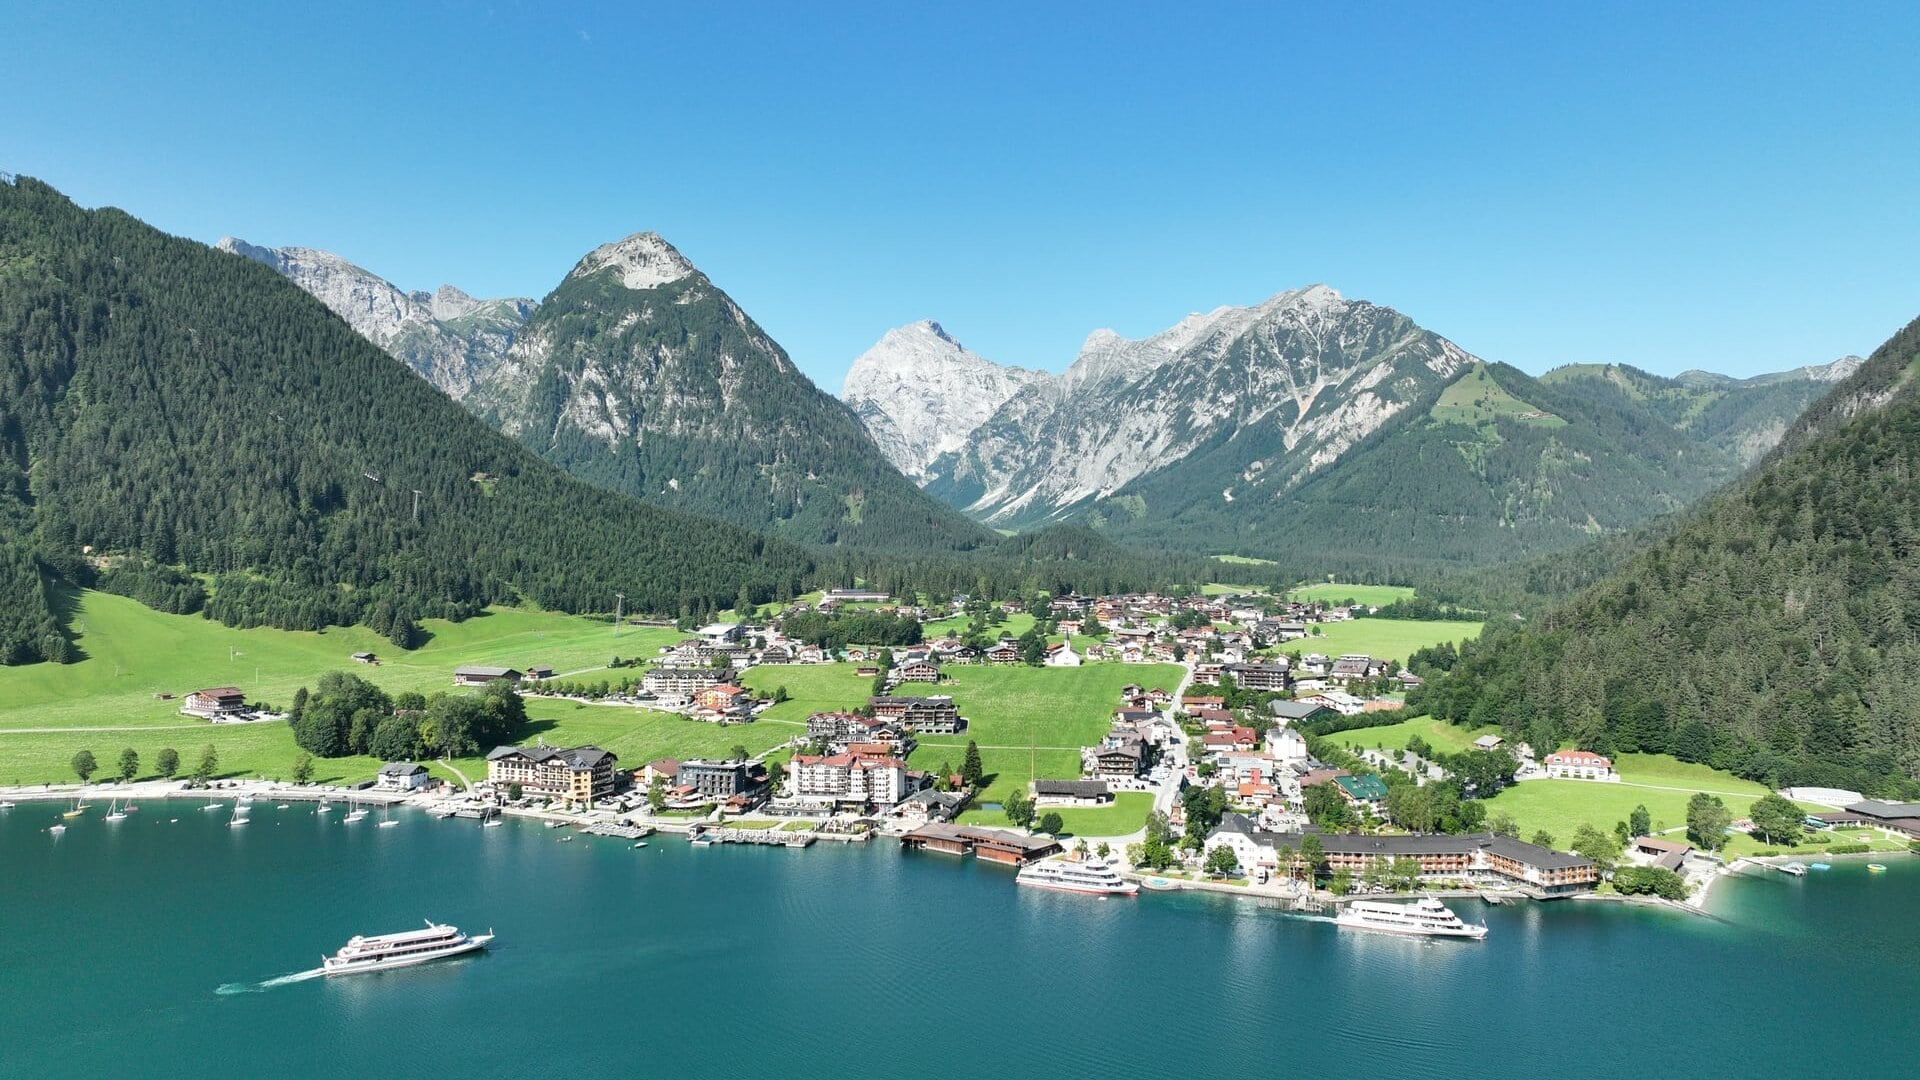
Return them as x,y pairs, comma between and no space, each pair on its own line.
764,837
614,829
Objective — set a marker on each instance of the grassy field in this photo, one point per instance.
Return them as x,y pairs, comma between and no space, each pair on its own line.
1392,639
1477,401
107,703
1018,622
1026,720
1215,588
1128,814
1656,781
1442,736
1334,592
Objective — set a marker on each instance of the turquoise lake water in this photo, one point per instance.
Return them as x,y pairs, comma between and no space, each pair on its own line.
138,949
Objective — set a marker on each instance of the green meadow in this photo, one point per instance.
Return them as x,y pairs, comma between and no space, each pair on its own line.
1392,639
111,700
1336,593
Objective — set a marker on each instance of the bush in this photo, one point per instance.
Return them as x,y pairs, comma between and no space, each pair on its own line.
1849,849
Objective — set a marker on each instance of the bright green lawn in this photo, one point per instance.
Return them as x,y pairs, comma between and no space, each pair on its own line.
1336,593
1018,622
1439,734
1389,639
132,652
1657,781
1128,814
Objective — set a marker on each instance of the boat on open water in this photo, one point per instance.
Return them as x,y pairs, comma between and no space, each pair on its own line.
381,952
1426,917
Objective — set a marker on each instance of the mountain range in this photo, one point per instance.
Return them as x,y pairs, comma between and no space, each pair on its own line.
1311,427
638,374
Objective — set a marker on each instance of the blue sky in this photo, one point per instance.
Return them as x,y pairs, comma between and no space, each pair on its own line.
1723,187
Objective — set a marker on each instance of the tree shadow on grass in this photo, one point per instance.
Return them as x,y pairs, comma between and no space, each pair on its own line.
64,600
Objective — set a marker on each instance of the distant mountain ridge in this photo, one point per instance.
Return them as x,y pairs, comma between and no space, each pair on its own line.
452,339
1312,426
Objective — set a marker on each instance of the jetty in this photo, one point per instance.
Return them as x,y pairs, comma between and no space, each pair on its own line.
616,829
766,837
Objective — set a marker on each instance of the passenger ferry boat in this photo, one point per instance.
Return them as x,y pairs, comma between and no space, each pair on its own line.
409,947
1094,876
1427,917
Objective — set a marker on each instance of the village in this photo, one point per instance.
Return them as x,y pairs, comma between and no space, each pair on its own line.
1221,767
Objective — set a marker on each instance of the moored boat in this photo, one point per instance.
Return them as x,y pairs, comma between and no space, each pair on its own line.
1426,917
380,952
1093,876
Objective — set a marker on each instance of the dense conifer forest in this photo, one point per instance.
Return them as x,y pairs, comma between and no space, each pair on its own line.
1773,631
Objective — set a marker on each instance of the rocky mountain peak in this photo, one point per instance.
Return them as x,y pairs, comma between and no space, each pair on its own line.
921,393
644,261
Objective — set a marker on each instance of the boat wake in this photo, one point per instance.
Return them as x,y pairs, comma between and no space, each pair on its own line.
261,987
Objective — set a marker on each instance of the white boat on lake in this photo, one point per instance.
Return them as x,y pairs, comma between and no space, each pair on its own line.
1426,917
405,949
1093,876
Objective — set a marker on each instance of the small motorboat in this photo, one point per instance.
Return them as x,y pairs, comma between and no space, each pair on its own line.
56,828
283,806
638,844
1819,866
566,839
5,805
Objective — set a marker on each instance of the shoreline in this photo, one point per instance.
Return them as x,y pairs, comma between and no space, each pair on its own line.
439,805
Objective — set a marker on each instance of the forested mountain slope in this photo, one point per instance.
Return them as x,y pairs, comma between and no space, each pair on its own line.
163,400
1774,631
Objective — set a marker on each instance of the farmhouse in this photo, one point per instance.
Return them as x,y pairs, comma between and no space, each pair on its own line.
923,671
476,675
1071,793
214,704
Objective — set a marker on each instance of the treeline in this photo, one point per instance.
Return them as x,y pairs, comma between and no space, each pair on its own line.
162,588
1774,633
838,630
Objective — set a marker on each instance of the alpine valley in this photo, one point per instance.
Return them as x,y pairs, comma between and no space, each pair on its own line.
1310,428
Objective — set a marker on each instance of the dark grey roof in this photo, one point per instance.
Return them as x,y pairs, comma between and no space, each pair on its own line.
1080,789
478,671
1534,854
1295,710
1875,808
402,768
